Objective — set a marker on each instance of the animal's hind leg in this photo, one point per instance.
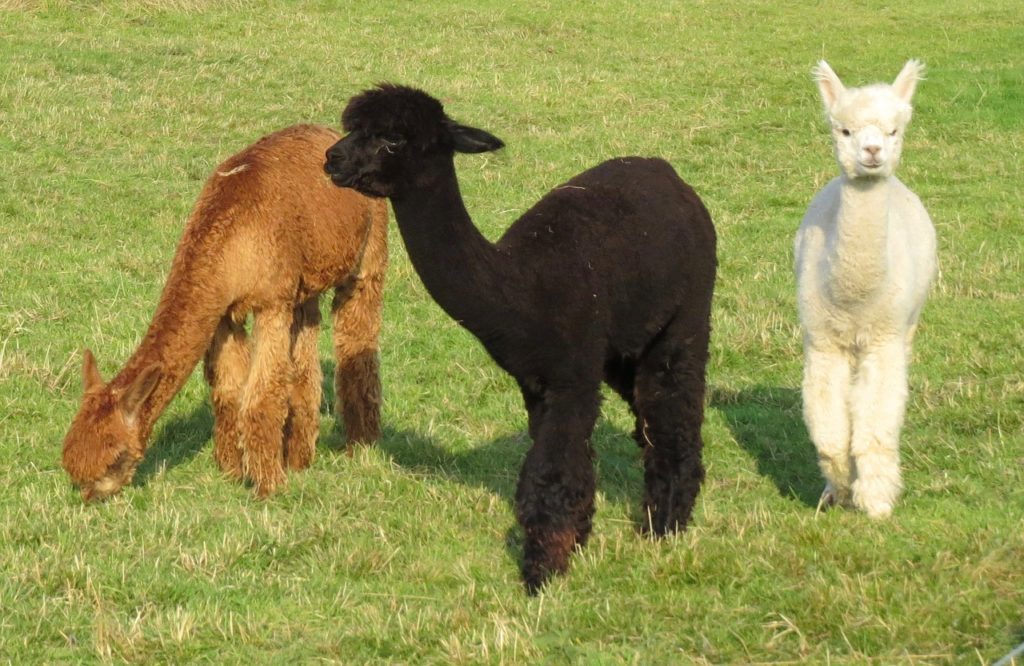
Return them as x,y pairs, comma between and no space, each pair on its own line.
225,367
670,387
555,495
303,424
265,400
826,391
356,311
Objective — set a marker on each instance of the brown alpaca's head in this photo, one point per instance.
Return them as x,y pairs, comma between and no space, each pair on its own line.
397,138
104,445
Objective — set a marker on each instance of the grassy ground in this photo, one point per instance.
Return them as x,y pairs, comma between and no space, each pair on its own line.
112,115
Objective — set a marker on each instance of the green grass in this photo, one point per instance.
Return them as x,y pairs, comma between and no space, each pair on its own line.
112,115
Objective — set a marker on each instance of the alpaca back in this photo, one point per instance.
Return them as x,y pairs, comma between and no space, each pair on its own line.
272,208
637,241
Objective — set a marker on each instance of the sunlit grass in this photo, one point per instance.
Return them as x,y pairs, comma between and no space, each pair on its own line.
112,115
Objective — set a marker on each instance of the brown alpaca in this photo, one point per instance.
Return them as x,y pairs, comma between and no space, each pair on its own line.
268,234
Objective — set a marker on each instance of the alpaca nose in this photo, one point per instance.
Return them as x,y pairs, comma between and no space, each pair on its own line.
873,150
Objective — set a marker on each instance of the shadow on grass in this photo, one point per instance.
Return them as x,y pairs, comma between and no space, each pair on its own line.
768,424
178,441
494,466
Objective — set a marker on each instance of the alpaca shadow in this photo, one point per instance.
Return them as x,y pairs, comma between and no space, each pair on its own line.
495,467
178,442
767,423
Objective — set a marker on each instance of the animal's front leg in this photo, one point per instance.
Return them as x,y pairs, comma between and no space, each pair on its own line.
826,390
533,400
226,367
555,495
877,403
670,383
303,424
265,403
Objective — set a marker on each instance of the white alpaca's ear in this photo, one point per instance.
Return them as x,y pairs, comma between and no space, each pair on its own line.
906,80
90,373
828,83
131,400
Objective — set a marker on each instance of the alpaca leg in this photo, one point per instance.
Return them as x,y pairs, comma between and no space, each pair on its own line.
555,495
533,399
357,318
670,384
303,424
265,401
225,367
878,401
620,374
826,389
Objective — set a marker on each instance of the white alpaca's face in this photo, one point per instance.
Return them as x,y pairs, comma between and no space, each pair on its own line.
867,132
868,123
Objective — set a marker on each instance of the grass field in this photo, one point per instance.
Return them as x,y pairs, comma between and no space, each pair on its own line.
111,117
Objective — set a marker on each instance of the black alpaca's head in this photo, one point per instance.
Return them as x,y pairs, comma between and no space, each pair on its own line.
395,137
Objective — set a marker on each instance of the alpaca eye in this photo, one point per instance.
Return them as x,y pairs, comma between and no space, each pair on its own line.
893,133
388,143
846,132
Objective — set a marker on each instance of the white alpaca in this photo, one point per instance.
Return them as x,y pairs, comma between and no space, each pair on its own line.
865,259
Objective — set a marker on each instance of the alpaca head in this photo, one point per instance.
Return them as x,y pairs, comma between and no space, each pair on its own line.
105,444
868,122
396,137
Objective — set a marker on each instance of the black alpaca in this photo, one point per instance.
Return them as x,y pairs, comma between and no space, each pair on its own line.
608,277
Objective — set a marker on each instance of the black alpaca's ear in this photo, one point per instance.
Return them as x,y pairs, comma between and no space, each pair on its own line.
472,140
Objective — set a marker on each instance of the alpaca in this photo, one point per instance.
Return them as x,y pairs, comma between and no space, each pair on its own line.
608,277
865,260
268,234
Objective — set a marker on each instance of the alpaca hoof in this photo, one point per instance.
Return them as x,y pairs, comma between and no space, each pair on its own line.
353,446
880,512
265,487
545,554
832,496
232,471
876,510
265,490
829,498
657,524
876,496
229,462
300,460
667,508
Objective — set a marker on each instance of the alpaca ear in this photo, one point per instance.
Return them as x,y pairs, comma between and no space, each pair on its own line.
828,83
141,387
472,140
906,80
90,373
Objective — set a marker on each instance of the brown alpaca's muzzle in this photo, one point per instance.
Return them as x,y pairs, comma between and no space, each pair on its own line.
118,475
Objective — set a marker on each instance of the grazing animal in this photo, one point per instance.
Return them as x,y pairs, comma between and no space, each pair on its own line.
609,276
865,260
268,234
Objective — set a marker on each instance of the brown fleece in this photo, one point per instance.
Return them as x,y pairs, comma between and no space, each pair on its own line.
269,233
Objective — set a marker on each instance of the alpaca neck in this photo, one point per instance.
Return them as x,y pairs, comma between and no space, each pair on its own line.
463,271
859,255
178,336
